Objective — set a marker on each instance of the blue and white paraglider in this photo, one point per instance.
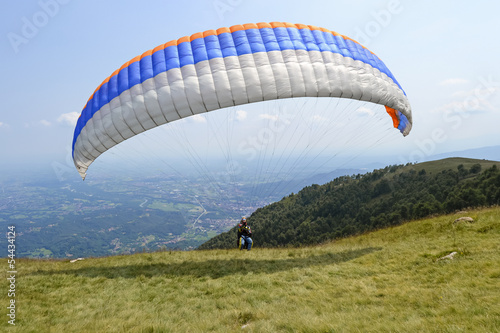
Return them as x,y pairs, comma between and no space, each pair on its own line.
228,67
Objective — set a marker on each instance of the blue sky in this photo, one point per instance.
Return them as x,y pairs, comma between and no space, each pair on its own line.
55,53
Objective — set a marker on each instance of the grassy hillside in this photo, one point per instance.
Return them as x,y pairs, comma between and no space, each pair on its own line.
351,205
451,163
385,281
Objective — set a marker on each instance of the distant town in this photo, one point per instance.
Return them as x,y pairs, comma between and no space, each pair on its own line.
71,218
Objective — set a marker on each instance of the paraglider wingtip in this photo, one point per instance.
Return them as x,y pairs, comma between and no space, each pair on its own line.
407,129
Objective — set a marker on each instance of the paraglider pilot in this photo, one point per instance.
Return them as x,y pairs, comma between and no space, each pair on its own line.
244,235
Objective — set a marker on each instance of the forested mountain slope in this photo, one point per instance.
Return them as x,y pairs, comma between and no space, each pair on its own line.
355,204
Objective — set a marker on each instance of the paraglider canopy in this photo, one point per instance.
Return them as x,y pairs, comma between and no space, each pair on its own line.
227,67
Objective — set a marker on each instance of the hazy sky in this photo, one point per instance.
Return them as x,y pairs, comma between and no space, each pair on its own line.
55,53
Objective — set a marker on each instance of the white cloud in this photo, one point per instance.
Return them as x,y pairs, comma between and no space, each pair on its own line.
2,124
468,101
478,92
198,118
464,107
453,81
68,118
45,122
318,118
241,115
268,116
364,111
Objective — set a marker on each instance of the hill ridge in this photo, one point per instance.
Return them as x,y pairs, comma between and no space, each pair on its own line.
350,205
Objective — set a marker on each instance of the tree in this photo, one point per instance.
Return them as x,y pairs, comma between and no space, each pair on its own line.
476,168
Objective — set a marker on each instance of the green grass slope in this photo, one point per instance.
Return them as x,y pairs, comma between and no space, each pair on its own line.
451,163
390,280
